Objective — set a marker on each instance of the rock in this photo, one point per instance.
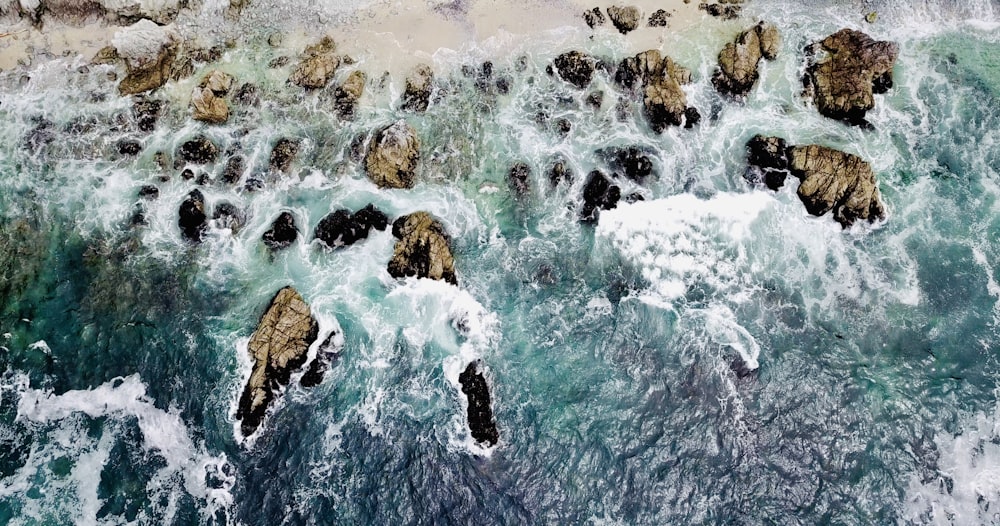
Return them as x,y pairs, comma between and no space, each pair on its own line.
233,172
871,17
624,19
326,355
422,250
318,66
370,217
560,173
345,98
283,153
725,12
595,99
192,216
149,192
843,83
664,102
768,157
279,62
341,228
198,150
631,162
393,154
187,174
738,61
146,112
129,147
691,117
594,17
282,232
278,347
659,18
247,95
149,52
518,179
576,68
598,194
419,83
208,107
480,414
226,215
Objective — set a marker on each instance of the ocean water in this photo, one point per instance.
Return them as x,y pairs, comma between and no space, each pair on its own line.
617,353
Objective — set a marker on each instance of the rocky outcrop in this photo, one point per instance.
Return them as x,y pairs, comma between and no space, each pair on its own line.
419,83
149,51
480,414
625,19
576,68
326,355
192,216
559,174
830,180
345,98
341,228
77,12
227,215
726,10
659,18
233,171
146,112
392,157
844,82
664,102
283,153
198,150
519,180
632,162
278,347
598,194
422,250
739,60
282,232
208,98
594,17
318,66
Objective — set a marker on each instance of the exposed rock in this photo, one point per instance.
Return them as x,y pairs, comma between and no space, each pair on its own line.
192,216
595,99
423,249
341,228
198,150
576,68
149,192
843,83
631,161
659,18
664,102
247,95
518,179
226,215
594,17
417,95
146,112
625,19
283,153
738,60
768,161
129,147
560,173
233,171
393,154
347,94
598,194
318,66
480,414
282,232
149,52
278,347
725,12
208,107
326,355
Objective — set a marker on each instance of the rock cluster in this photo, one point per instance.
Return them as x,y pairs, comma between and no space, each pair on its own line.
598,194
739,60
419,83
664,102
480,413
422,250
845,81
342,228
392,157
318,65
576,68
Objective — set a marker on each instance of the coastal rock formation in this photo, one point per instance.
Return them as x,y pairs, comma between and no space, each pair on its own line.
392,157
417,95
149,51
829,179
664,102
594,17
316,69
278,347
518,179
233,171
422,250
282,232
624,19
198,150
724,10
76,12
208,98
598,194
632,162
739,60
345,98
659,18
227,215
341,228
326,355
576,68
480,414
282,154
844,82
192,216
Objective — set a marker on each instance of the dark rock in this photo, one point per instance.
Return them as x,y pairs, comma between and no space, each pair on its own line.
594,17
41,134
226,215
370,217
326,356
146,112
560,173
149,192
129,147
346,96
634,197
624,19
503,85
392,157
282,232
576,68
234,169
187,174
198,150
595,99
192,216
279,62
341,228
519,180
203,178
598,194
247,95
768,159
691,117
423,249
480,414
725,12
659,18
631,162
417,95
283,153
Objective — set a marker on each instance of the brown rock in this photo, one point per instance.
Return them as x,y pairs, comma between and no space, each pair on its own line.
422,250
625,19
838,181
739,60
208,107
278,347
149,75
393,155
283,153
843,83
317,68
418,88
347,94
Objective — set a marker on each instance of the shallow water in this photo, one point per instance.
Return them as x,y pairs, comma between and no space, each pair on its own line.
612,350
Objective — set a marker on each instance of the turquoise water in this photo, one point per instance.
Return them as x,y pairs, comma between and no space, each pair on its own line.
611,350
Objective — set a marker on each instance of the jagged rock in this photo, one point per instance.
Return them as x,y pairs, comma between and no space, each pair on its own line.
739,60
149,52
146,112
278,347
318,66
326,355
393,155
855,68
247,95
659,18
149,192
768,158
208,107
725,12
624,19
594,17
480,415
560,173
192,216
664,102
518,179
341,228
422,249
198,150
345,98
631,161
233,171
576,68
282,232
129,147
283,153
598,194
417,95
226,215
829,179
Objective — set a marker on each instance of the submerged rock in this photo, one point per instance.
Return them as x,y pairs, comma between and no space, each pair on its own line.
559,174
149,192
318,67
480,415
598,194
192,216
282,154
417,95
625,19
576,68
845,81
345,98
278,347
149,51
393,154
282,232
739,60
518,179
227,215
422,250
341,228
247,94
594,17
